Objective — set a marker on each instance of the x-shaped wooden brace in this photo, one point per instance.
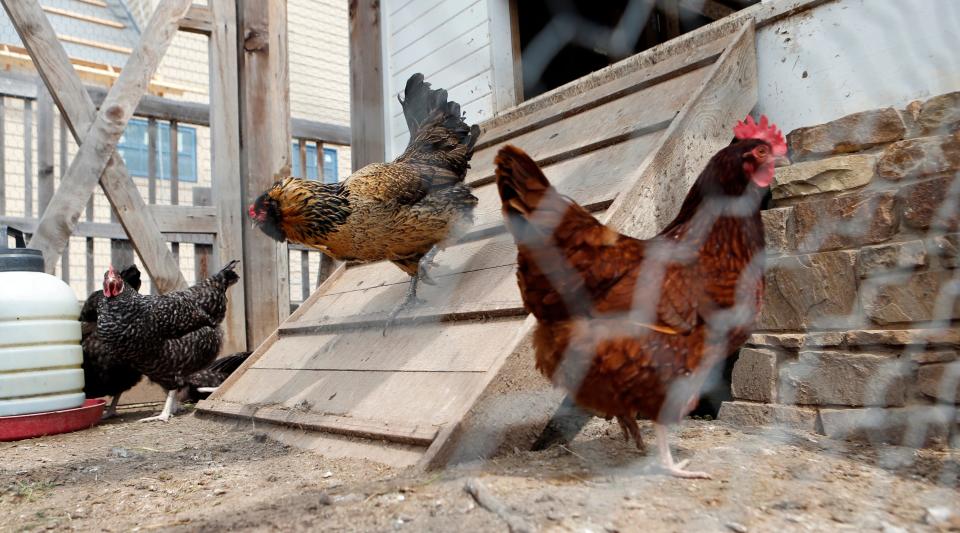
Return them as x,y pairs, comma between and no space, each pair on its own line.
96,159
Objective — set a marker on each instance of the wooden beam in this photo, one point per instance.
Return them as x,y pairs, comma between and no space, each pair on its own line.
75,104
170,219
367,115
197,20
106,230
225,162
265,151
711,9
193,113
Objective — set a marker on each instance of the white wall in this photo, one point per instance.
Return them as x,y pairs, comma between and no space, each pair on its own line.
857,55
449,41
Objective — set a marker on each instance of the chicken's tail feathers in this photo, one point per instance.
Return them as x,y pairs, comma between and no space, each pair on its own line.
228,364
228,274
440,138
520,181
131,276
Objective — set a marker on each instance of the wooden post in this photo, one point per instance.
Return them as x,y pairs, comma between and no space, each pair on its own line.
174,177
327,264
3,158
44,147
202,253
265,151
153,155
367,115
65,258
102,130
227,188
28,161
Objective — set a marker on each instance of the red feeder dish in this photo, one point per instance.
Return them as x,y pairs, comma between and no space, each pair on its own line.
39,424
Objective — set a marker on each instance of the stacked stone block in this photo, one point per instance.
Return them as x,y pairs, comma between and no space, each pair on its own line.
860,328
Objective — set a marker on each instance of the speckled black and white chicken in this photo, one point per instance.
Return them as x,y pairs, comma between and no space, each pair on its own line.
104,374
166,337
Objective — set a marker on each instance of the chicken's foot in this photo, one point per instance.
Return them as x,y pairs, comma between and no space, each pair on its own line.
409,300
170,408
111,411
666,458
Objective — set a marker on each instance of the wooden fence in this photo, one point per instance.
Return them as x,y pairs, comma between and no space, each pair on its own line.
35,151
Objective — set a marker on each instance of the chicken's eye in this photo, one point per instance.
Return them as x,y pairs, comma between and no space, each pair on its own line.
761,151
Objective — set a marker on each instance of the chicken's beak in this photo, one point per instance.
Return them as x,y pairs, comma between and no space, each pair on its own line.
781,161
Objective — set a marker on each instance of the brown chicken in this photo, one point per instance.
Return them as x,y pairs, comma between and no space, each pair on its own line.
631,327
393,211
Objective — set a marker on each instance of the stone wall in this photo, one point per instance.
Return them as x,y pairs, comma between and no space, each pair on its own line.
860,329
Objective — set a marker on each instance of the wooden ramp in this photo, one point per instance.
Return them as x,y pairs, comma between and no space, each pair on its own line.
454,378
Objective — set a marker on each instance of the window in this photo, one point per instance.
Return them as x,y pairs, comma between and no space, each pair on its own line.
133,147
330,172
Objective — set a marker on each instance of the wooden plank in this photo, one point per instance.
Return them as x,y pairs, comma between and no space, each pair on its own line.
341,425
613,122
265,150
225,162
45,185
702,128
56,70
197,20
434,347
86,18
28,161
368,133
481,293
389,397
589,93
94,44
591,178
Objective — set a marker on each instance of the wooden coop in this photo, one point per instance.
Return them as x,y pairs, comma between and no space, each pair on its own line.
79,109
454,379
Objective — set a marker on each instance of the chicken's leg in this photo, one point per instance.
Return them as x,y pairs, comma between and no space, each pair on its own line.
666,458
411,297
169,408
112,410
628,423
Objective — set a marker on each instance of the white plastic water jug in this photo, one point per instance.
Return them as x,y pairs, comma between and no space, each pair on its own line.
40,353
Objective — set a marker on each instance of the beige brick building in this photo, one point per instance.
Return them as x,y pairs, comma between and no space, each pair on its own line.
319,91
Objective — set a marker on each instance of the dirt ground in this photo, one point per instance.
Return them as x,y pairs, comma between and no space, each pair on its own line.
194,474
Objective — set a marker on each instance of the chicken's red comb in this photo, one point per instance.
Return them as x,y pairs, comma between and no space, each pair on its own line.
765,131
